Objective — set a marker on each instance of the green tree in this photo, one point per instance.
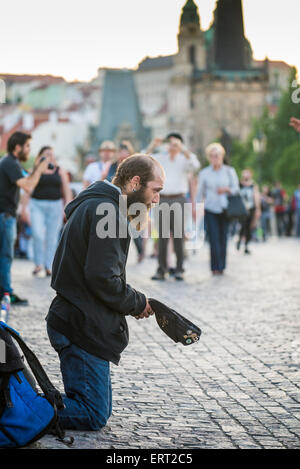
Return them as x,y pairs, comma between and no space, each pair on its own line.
281,140
281,135
287,167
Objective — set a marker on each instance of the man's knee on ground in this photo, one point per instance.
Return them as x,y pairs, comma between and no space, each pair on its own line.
97,420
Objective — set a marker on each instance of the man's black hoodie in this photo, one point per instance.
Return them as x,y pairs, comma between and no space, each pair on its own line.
88,275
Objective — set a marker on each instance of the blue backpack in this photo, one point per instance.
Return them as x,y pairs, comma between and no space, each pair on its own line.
25,415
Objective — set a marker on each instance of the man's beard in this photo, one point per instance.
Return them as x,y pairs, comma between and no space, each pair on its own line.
22,156
138,197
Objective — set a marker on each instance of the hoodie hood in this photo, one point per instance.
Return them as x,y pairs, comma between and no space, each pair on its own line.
97,190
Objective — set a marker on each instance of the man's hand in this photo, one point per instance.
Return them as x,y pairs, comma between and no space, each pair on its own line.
146,313
295,123
43,165
157,142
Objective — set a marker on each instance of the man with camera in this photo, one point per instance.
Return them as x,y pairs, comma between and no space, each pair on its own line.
179,164
12,179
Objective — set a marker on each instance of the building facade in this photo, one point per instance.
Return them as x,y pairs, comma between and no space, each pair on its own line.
212,86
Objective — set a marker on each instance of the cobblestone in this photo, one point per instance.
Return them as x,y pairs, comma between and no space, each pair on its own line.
237,388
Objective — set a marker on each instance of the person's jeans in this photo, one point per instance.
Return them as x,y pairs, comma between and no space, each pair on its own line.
265,223
217,228
87,383
298,223
7,240
46,223
280,222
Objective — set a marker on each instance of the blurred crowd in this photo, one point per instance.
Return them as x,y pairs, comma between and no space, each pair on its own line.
40,216
271,210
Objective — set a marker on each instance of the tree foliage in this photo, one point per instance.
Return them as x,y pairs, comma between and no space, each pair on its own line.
281,158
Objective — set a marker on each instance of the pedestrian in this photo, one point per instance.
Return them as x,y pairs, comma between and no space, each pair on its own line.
251,197
297,207
216,182
87,319
280,197
124,151
178,164
290,215
12,179
93,171
46,210
266,205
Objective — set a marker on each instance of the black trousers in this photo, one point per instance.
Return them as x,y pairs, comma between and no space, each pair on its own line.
173,225
246,230
216,225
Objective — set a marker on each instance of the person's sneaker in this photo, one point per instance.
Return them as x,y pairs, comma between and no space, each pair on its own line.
247,251
158,276
179,276
172,271
16,300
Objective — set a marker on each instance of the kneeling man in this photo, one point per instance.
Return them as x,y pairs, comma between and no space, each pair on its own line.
86,322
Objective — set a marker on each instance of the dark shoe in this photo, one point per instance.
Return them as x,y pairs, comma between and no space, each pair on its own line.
37,270
216,272
247,251
179,276
16,300
172,272
158,276
48,273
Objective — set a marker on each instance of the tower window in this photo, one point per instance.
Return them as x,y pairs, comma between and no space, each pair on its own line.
192,55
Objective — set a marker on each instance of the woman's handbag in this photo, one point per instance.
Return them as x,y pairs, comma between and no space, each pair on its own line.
236,208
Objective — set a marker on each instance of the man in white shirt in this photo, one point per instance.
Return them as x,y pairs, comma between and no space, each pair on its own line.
179,164
93,171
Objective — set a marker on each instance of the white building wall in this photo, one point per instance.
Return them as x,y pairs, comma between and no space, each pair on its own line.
64,137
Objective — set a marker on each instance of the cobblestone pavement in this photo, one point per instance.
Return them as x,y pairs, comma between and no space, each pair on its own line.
237,388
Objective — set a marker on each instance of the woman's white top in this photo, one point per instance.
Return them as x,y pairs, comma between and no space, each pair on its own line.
210,180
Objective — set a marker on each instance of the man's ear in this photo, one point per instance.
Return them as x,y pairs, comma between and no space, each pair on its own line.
135,182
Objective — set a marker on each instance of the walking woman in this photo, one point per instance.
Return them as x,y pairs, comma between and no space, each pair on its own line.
216,182
46,211
251,197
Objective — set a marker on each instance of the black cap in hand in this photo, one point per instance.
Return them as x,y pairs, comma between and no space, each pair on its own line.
177,327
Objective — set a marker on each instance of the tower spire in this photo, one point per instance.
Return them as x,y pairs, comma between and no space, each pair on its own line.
230,49
190,14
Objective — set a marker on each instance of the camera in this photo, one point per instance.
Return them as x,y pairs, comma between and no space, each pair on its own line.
50,165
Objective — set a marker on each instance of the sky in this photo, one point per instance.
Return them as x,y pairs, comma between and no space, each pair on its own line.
73,39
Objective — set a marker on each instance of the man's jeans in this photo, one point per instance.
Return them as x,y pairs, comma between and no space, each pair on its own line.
7,241
87,384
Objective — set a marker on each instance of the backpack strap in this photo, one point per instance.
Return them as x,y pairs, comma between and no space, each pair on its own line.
51,393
